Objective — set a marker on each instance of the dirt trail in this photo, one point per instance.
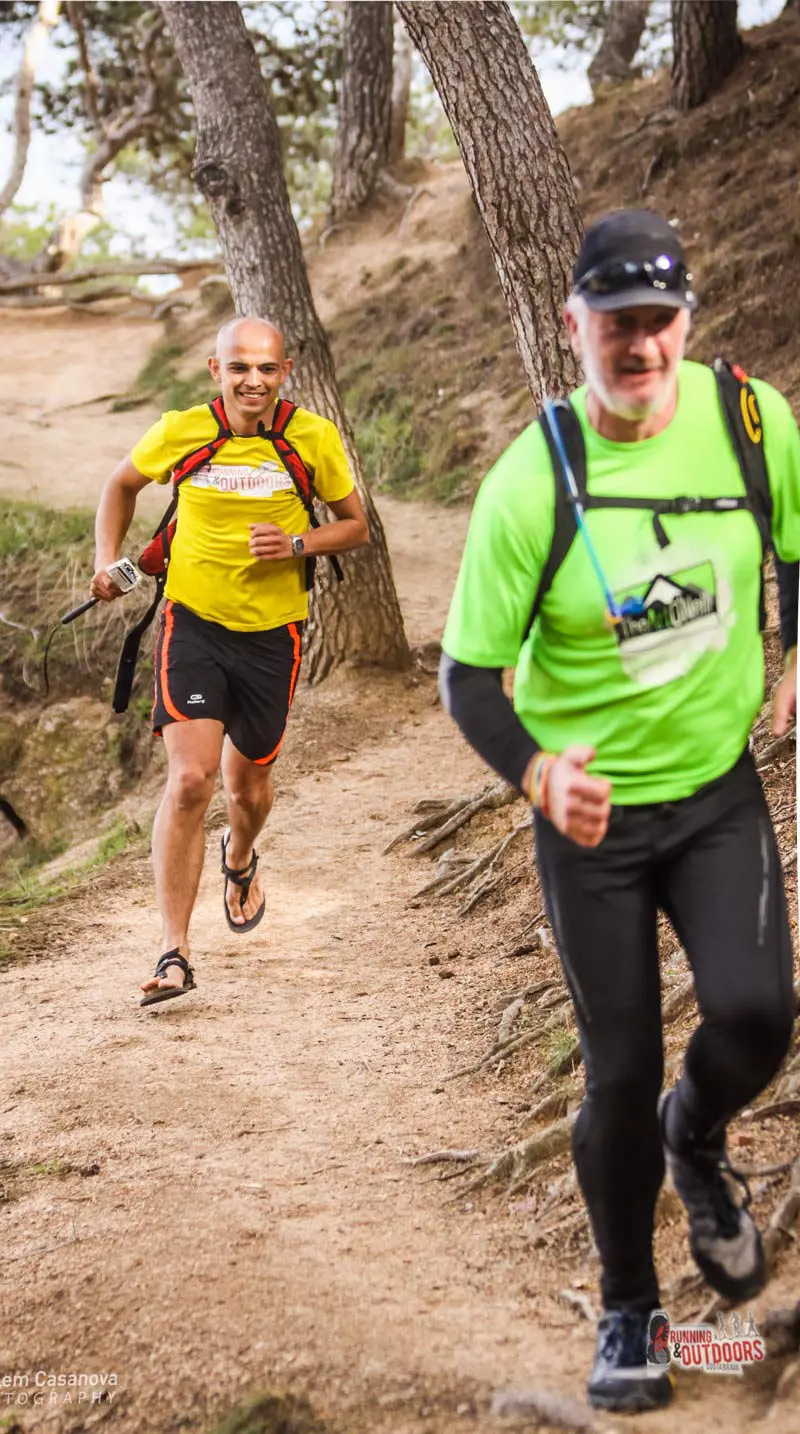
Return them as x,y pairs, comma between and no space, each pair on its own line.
253,1219
247,1217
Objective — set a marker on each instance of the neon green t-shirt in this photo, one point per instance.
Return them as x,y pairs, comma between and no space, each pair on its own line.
211,569
667,701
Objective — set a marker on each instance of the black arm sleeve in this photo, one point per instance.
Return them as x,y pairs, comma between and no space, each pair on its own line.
788,589
474,698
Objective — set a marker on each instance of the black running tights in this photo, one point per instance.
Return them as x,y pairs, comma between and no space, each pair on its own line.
710,862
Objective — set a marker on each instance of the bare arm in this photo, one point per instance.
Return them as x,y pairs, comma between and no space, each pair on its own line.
114,515
349,531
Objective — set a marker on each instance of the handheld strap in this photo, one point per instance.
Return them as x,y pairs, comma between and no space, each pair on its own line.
126,667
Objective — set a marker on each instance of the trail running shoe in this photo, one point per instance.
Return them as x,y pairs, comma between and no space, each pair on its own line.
621,1378
723,1238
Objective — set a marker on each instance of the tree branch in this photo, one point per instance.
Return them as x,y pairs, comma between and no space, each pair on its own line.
46,18
104,271
91,88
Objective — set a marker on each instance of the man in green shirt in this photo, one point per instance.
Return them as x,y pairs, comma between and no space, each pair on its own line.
635,692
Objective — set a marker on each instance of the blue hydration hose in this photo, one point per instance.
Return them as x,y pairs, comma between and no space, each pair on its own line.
630,606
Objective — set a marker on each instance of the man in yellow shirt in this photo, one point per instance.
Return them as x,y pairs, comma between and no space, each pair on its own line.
229,647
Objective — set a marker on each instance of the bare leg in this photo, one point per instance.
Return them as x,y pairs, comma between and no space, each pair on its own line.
249,793
193,750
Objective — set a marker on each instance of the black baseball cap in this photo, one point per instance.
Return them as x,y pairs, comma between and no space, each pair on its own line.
633,257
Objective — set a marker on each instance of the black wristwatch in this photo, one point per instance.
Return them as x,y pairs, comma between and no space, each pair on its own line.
298,547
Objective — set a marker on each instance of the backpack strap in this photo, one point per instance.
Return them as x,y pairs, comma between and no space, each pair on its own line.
746,431
744,425
156,555
300,476
743,422
564,523
191,462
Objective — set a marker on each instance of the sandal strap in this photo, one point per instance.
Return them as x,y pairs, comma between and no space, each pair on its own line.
241,876
173,958
242,873
238,874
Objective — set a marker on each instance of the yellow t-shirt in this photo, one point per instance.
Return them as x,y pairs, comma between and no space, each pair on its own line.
211,569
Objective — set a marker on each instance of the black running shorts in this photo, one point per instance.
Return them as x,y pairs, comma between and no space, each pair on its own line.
245,680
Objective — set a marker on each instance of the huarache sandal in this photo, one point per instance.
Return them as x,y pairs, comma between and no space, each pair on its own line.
167,993
242,877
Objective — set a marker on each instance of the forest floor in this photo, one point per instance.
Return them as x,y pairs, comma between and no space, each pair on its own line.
217,1197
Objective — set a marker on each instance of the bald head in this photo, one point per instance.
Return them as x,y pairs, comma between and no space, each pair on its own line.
249,365
250,334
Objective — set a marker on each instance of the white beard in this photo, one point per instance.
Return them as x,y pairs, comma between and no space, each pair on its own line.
619,404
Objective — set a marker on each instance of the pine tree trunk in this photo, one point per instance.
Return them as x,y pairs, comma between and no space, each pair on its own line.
621,37
401,93
365,106
238,168
706,48
519,173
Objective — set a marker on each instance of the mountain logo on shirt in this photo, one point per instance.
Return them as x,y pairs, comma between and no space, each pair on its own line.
668,607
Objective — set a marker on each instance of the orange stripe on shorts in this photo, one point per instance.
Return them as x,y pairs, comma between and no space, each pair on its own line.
295,635
169,623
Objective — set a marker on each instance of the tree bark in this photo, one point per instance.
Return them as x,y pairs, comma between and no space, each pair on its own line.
35,42
238,169
706,48
621,37
365,106
517,168
401,92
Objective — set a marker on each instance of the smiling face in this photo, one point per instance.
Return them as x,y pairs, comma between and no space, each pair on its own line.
630,358
249,367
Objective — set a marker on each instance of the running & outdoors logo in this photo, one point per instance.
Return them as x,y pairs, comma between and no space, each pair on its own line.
720,1349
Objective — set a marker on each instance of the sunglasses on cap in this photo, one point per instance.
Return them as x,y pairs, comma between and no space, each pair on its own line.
662,274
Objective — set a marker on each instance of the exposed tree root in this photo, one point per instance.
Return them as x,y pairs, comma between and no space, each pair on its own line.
440,1156
781,1330
508,1018
431,810
678,1000
557,1018
787,1388
554,1105
581,1302
561,1191
495,1054
452,815
520,1159
457,869
779,1231
417,194
526,947
768,754
765,1112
